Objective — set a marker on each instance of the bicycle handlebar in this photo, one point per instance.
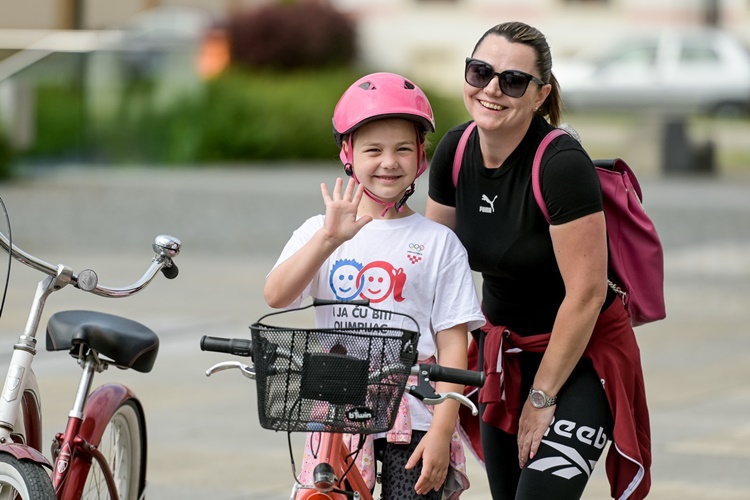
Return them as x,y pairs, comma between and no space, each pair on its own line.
434,373
26,258
235,347
437,373
166,248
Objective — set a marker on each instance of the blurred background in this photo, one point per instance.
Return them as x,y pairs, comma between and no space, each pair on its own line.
191,82
211,120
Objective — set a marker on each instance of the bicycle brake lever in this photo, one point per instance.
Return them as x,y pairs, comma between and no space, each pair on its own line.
453,395
247,371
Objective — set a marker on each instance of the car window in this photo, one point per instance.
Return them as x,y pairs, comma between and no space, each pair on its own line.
634,53
698,51
691,55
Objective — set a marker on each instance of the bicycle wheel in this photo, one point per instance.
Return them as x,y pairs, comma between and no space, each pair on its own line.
23,480
123,447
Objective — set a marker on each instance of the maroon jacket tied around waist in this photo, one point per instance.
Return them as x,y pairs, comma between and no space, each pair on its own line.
615,356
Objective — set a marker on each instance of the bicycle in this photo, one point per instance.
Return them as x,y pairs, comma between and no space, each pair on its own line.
102,451
335,381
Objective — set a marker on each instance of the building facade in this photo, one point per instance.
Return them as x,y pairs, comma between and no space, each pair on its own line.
427,39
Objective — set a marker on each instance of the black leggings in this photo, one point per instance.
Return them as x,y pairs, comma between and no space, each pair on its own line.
397,482
569,450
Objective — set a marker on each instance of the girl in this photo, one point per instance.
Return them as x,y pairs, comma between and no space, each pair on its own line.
371,245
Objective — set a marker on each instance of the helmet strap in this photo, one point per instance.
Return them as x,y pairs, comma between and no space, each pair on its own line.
400,204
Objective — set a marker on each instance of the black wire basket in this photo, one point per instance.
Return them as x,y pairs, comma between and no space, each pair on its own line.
331,380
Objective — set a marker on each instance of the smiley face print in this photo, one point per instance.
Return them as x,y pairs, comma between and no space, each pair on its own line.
377,280
343,279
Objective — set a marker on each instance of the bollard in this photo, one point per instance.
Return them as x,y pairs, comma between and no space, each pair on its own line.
680,155
704,158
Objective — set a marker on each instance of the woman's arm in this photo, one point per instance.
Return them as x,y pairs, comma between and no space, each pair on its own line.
443,214
289,279
581,252
434,449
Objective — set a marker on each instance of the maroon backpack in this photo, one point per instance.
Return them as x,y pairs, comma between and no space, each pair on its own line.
635,251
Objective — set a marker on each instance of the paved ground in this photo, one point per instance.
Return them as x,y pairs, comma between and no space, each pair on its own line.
205,441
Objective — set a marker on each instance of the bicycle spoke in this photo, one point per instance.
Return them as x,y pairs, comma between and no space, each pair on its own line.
120,447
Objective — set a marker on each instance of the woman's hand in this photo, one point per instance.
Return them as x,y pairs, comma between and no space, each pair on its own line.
434,450
532,425
341,223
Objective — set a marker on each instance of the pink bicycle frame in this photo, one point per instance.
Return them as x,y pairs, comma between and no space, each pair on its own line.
334,452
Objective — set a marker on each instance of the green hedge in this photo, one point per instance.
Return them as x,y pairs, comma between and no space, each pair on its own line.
59,118
241,116
266,116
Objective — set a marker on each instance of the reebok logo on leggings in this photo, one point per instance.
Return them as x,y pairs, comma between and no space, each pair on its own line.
584,434
569,462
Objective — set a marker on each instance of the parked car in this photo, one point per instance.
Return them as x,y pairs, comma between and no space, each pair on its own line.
688,71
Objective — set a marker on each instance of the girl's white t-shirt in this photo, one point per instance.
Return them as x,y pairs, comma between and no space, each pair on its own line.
412,266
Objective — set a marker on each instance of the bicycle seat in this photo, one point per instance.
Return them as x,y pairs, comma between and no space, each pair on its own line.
126,342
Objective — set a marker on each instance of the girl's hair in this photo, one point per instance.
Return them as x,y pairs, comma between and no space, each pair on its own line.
517,32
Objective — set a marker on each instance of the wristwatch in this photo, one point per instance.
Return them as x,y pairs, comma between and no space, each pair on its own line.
540,400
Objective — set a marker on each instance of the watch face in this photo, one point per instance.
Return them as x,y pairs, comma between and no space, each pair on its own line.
538,400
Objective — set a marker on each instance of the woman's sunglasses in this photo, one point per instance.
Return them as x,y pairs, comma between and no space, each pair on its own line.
513,83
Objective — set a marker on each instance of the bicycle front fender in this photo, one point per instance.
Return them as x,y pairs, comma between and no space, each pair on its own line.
101,405
24,452
31,408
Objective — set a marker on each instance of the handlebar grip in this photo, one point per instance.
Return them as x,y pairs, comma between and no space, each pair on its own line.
236,347
170,272
439,373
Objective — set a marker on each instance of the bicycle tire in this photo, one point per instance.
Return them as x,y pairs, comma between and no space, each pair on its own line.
24,480
124,448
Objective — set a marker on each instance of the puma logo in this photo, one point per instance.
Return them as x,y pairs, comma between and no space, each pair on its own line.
491,203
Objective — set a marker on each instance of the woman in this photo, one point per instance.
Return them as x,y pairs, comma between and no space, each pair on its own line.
563,367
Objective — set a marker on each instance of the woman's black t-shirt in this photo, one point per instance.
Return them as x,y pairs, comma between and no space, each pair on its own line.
502,227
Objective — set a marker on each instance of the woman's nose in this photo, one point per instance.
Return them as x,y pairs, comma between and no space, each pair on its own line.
493,88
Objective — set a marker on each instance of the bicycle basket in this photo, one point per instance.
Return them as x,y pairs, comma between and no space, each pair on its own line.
330,380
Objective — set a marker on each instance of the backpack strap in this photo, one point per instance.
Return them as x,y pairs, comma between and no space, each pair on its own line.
536,167
459,157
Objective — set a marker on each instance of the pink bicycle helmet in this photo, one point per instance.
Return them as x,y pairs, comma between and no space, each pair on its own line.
382,95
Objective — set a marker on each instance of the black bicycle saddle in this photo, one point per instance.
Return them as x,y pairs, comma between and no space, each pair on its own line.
127,343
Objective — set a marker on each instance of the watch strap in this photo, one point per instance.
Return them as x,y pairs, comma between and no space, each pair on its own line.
548,401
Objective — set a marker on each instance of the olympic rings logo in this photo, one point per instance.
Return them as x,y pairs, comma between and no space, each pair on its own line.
416,247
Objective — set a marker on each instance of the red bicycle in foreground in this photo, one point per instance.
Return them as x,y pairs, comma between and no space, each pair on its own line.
335,381
102,451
